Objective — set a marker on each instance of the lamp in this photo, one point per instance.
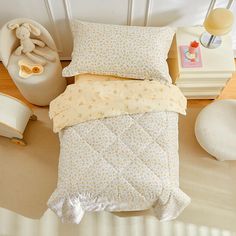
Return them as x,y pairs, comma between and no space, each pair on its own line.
218,22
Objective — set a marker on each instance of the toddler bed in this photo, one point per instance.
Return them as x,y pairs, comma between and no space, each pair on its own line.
118,135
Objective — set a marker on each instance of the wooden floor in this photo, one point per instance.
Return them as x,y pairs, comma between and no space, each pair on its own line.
7,86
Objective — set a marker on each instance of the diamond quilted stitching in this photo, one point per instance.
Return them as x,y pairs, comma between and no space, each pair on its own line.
144,180
78,147
162,139
153,123
84,128
77,155
103,138
122,192
115,123
156,159
119,155
72,141
95,180
136,139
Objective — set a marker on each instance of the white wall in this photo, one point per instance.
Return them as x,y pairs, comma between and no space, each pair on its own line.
55,14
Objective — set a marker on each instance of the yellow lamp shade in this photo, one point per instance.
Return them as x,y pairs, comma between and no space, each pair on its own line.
219,21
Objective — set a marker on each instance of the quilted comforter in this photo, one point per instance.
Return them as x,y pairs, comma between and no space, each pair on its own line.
121,157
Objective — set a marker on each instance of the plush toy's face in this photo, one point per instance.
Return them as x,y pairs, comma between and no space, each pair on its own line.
22,33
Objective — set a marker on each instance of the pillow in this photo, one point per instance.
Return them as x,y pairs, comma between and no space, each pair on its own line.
125,51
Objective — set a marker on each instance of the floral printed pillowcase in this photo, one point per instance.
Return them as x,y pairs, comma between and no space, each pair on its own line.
125,51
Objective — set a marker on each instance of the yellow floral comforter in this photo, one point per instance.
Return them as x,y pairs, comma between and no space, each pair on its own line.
95,97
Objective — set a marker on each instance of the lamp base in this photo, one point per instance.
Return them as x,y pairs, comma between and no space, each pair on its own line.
210,41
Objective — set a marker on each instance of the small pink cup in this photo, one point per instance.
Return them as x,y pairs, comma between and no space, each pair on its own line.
192,50
193,46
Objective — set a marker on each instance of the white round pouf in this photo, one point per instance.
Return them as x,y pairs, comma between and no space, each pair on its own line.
38,89
215,129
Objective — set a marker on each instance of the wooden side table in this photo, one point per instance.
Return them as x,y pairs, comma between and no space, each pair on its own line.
204,82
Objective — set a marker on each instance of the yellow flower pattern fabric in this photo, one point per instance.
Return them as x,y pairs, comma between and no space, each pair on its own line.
91,77
95,99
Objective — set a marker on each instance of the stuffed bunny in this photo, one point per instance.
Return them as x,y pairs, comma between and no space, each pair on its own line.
28,45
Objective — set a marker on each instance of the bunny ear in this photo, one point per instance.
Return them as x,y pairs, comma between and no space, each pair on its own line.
26,25
34,30
13,26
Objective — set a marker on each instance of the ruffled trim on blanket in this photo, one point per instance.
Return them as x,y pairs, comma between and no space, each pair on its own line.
69,210
72,208
170,210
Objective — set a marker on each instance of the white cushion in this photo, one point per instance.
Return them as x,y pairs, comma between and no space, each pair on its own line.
215,129
125,51
38,89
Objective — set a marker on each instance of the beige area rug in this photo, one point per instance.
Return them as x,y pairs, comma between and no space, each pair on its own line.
28,175
211,184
